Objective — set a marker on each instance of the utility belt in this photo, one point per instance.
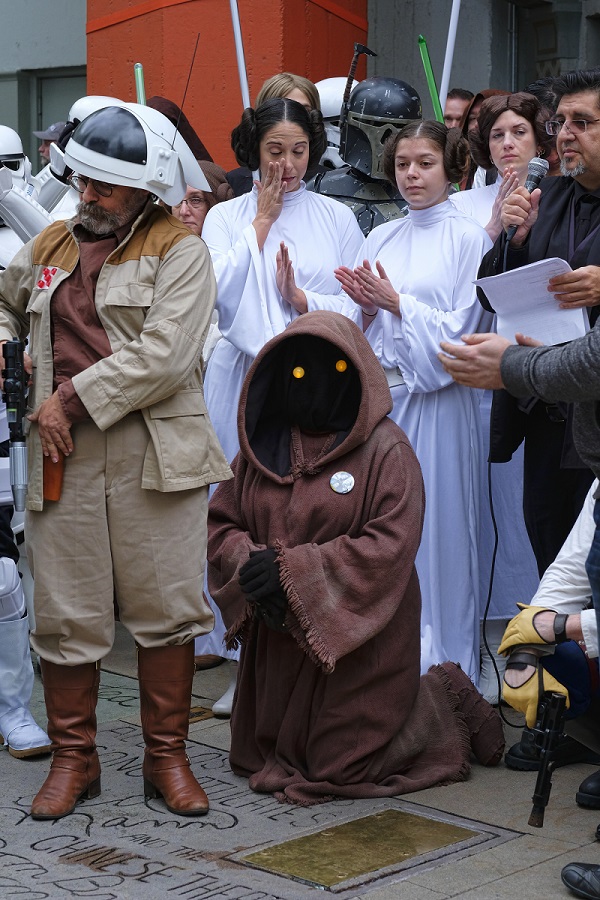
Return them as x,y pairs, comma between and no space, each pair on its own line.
394,376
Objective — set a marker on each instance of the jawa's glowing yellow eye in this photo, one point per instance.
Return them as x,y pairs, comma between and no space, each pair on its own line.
341,365
298,372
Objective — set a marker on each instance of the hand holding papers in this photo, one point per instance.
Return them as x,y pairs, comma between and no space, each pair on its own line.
524,304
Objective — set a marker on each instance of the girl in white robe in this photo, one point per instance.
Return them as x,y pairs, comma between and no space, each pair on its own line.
274,252
413,290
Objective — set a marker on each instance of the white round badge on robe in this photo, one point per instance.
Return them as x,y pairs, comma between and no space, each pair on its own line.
342,482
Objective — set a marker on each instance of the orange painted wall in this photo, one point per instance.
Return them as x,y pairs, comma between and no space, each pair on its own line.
314,38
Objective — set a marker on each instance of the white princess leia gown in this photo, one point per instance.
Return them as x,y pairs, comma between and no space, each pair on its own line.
321,234
431,257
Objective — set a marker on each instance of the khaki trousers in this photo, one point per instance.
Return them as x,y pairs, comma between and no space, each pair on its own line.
108,539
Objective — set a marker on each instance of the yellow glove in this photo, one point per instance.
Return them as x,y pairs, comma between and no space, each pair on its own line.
522,630
526,697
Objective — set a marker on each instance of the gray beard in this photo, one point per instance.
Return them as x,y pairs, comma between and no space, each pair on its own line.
99,221
579,169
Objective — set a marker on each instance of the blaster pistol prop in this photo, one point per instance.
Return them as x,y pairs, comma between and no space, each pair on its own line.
14,395
547,731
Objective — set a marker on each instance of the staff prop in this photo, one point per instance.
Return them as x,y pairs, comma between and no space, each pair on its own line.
449,52
239,52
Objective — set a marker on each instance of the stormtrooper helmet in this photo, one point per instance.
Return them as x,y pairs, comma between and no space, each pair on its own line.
79,111
331,95
13,158
378,108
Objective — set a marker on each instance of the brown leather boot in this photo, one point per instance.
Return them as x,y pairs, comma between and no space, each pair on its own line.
166,675
71,693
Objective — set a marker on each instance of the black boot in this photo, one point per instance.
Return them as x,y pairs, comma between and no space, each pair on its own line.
583,879
525,756
588,794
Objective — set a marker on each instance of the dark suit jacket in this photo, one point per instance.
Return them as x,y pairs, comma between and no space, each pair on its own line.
549,237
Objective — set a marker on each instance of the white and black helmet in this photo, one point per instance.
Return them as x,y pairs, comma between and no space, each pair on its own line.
13,158
135,146
331,96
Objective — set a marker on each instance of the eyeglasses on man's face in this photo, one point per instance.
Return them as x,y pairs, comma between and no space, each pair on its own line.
575,126
194,202
80,182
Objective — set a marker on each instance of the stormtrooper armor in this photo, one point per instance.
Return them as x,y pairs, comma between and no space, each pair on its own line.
378,108
136,146
22,218
13,158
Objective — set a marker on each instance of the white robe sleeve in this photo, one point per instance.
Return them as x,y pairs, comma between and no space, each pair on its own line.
351,242
565,586
241,300
420,329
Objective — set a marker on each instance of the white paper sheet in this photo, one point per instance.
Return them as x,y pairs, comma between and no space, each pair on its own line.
523,303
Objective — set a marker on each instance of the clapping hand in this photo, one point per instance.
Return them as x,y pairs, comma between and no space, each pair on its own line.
510,181
377,288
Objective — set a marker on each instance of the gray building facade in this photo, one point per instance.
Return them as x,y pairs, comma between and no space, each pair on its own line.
42,65
499,44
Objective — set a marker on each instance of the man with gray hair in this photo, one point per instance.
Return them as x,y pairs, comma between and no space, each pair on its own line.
117,303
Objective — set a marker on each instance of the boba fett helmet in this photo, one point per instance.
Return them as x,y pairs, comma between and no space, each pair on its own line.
378,107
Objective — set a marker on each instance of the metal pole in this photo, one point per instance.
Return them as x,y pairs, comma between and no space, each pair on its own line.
239,52
449,52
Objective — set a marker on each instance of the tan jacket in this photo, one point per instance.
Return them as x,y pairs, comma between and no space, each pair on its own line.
154,296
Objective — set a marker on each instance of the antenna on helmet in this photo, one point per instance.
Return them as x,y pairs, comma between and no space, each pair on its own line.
187,84
359,49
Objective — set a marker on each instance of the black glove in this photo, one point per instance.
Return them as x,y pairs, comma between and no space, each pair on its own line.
259,578
260,575
273,609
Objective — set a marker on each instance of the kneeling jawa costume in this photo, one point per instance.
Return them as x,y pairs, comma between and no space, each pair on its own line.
311,560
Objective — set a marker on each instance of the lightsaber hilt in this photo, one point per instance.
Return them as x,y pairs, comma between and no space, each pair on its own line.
18,473
14,394
140,88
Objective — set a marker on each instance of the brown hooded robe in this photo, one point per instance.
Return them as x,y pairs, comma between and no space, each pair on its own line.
334,706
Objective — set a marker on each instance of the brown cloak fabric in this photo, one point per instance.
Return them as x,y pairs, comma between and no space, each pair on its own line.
334,706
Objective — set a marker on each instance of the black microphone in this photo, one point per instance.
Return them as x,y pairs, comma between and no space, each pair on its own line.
536,170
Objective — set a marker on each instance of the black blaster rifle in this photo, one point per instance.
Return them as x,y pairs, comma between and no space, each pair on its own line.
14,395
548,729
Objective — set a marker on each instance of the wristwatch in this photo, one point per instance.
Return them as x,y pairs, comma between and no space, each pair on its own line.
560,628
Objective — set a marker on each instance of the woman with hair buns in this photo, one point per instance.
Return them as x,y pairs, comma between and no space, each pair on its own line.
286,86
274,252
415,284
